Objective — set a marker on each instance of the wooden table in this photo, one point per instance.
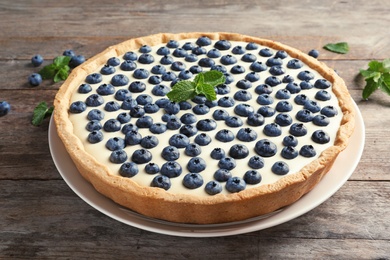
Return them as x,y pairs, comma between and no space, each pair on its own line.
41,217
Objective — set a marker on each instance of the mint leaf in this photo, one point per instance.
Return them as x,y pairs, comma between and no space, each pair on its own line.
48,72
58,70
377,76
181,91
340,47
213,78
41,111
208,91
61,61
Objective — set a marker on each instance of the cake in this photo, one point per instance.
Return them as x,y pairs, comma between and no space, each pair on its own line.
276,122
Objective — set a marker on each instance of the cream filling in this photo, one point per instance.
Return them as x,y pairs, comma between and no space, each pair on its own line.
102,154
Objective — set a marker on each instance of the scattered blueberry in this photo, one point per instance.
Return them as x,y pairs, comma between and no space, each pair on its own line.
272,81
145,58
277,70
243,110
248,57
35,79
37,60
5,107
69,53
314,53
263,89
200,109
76,61
238,50
163,51
293,87
188,118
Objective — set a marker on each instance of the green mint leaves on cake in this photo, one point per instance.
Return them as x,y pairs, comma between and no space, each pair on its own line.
203,84
41,111
377,76
58,70
340,47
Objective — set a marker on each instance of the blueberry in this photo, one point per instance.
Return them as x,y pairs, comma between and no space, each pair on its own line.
258,66
179,53
144,99
112,125
206,62
137,111
105,89
172,108
243,110
119,80
280,168
298,129
238,50
77,107
248,57
192,180
223,89
272,129
243,84
95,137
163,51
266,111
304,115
252,177
145,58
188,130
233,121
185,74
160,90
133,137
289,152
242,95
264,99
118,156
188,118
255,119
237,69
128,103
226,101
151,108
321,120
203,41
256,162
283,106
129,127
112,106
217,153
206,124
166,60
128,169
265,52
314,53
128,65
122,94
219,68
94,78
272,81
223,45
141,156
246,134
238,151
154,79
202,139
294,64
144,121
69,53
224,135
323,95
76,61
293,87
37,60
252,46
201,109
192,150
301,99
115,143
170,153
93,125
188,46
220,114
149,141
199,99
158,128
283,94
213,188
95,114
320,137
274,62
222,175
235,184
305,85
227,163
107,70
185,105
265,148
84,88
179,140
171,169
199,50
214,53
277,70
173,123
305,75
288,79
168,76
162,102
307,151
281,54
130,56
290,140
35,79
152,168
283,119
228,59
178,66
312,105
329,111
196,69
4,108
196,164
263,89
140,74
161,181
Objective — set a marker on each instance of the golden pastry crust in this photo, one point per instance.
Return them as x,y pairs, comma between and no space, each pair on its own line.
220,208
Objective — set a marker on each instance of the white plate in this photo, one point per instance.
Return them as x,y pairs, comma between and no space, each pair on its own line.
335,178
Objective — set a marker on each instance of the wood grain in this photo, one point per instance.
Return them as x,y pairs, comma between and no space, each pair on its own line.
42,218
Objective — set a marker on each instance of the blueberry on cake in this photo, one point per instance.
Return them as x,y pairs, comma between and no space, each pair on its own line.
203,127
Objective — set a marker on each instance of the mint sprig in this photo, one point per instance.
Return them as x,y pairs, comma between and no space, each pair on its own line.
41,111
377,76
203,84
340,47
58,70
